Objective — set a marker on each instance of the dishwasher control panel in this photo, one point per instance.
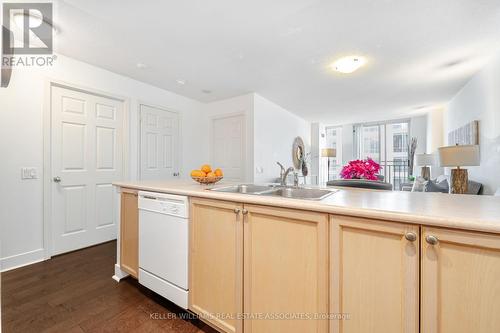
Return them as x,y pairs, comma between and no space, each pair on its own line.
169,204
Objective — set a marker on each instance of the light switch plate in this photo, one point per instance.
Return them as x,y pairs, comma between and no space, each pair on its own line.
29,173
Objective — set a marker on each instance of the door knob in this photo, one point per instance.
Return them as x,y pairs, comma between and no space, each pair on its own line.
244,211
432,240
411,236
57,179
236,210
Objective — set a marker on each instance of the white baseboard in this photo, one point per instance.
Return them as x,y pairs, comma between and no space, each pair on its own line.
119,274
20,260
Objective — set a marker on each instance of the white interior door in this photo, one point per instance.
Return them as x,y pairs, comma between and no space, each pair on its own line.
228,146
86,157
159,143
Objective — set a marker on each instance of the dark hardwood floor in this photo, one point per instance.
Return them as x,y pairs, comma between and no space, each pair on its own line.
74,292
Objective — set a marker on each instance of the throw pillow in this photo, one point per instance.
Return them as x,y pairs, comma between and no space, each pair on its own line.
431,186
418,185
473,187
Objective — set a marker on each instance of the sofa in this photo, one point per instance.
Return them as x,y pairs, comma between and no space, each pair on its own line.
361,183
442,184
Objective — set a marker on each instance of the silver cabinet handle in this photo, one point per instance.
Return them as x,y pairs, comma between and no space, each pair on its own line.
411,236
244,211
236,210
432,240
57,179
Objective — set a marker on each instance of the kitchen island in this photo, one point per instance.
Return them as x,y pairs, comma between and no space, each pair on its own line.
356,261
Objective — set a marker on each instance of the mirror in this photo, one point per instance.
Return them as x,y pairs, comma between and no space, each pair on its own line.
298,152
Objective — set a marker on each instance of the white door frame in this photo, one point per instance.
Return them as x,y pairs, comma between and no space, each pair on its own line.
47,149
139,134
243,142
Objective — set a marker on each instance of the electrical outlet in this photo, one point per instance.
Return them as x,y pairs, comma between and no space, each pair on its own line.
29,173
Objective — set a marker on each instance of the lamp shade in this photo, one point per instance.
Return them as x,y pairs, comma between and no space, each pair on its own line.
328,152
464,155
424,159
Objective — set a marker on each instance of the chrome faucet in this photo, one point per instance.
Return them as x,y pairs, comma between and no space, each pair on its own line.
284,173
295,179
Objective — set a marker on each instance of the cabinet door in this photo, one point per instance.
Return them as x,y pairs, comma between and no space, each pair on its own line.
285,270
374,276
216,263
460,281
129,232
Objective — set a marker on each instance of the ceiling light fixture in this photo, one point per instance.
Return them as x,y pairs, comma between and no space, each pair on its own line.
181,82
140,65
349,64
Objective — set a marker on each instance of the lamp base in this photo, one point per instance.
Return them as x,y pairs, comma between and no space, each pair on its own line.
426,172
459,181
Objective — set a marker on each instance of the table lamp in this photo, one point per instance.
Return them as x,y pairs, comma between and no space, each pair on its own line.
425,161
328,152
458,156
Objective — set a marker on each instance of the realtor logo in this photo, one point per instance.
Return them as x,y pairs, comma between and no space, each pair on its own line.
27,28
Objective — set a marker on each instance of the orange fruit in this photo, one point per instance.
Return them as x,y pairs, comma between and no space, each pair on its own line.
197,173
211,175
218,172
206,168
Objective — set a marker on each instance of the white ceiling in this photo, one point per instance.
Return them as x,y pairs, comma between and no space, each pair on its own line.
421,52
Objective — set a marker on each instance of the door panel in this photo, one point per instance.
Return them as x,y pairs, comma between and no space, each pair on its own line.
460,282
216,263
159,143
374,276
86,148
129,232
285,270
228,146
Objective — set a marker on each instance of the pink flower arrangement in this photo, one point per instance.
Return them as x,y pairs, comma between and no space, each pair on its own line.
361,169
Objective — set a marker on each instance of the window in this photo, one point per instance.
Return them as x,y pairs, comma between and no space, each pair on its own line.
387,144
400,143
333,139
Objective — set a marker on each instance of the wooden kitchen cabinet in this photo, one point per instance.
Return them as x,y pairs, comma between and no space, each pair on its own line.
285,269
129,232
460,281
216,263
374,272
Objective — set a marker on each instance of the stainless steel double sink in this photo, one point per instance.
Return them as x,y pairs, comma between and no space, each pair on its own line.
304,193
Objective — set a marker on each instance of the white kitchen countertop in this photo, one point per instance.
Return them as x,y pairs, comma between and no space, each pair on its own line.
469,212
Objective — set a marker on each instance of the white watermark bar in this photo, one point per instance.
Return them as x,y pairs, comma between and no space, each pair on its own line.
251,316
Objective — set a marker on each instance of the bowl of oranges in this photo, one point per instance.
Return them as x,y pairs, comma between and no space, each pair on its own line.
206,175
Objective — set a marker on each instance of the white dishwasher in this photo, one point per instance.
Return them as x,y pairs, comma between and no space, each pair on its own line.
163,245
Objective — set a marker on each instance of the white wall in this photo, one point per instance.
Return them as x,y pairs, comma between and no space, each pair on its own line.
274,131
479,100
435,137
347,143
243,104
316,144
270,131
21,145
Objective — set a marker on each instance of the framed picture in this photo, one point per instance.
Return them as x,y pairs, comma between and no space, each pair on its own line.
465,135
